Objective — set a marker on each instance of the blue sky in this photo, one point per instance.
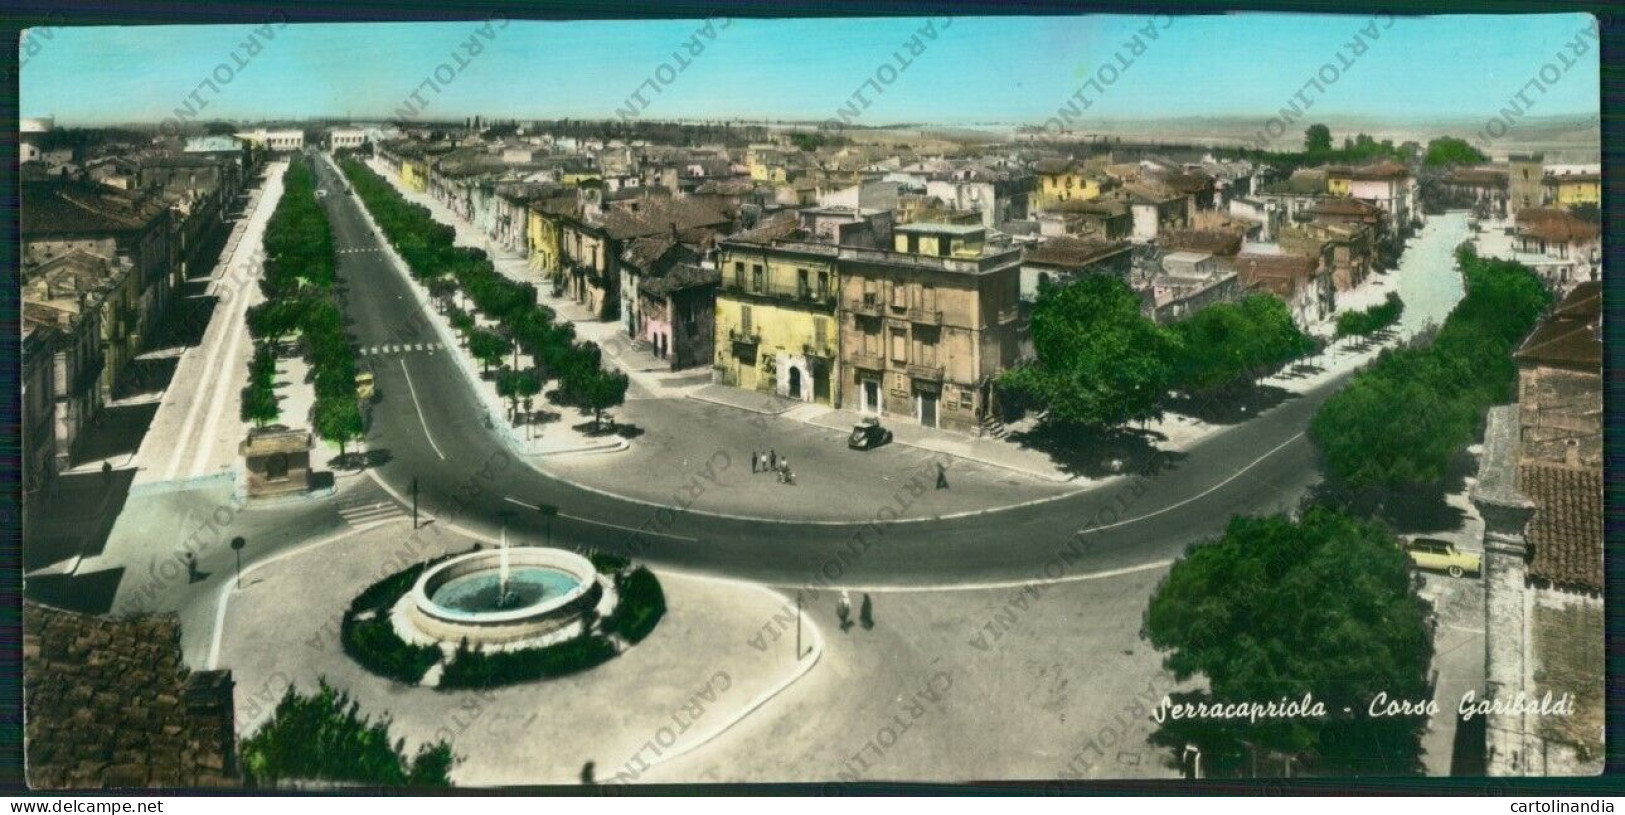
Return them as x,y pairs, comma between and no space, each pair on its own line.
1006,69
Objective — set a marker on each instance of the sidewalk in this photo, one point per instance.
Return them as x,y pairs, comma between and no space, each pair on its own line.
556,438
647,372
196,430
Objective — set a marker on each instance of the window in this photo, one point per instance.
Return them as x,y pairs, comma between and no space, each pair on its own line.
899,346
739,274
758,282
820,332
823,283
744,320
802,283
899,295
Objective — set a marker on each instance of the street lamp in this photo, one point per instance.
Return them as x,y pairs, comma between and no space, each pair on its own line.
237,545
548,511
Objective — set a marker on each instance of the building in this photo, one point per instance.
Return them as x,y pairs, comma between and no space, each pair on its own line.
1540,491
1525,181
346,138
61,288
59,217
1064,259
1560,383
1063,179
927,325
111,704
1345,249
776,327
1301,282
1389,185
276,141
1483,189
1189,286
679,314
1566,249
1573,189
39,399
1155,210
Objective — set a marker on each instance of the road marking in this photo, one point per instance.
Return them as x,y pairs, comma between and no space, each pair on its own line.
1203,493
227,586
512,500
421,420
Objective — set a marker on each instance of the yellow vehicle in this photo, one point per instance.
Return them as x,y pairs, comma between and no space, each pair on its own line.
1441,556
364,388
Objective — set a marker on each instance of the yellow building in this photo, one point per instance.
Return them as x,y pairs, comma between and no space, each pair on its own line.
415,174
1574,189
1064,180
542,235
1339,181
776,330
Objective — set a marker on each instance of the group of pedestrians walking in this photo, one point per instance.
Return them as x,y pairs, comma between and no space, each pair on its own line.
772,462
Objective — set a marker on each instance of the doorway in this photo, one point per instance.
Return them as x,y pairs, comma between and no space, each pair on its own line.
870,403
795,383
927,408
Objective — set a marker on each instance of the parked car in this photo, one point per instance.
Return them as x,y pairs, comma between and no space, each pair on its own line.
365,387
868,434
1441,556
321,193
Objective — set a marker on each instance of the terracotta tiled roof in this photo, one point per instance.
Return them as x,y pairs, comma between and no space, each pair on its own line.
1561,227
110,704
1211,241
1387,168
1570,336
1565,534
681,276
1278,274
781,225
54,207
1074,252
656,215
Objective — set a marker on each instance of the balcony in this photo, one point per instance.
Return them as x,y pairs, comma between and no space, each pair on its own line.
866,307
929,373
770,291
814,350
748,337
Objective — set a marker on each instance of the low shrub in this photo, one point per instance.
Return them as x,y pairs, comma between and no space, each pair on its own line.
475,669
642,604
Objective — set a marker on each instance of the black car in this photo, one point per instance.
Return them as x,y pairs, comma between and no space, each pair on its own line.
868,434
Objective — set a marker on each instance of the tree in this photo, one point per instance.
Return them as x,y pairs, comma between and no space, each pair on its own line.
599,391
1448,151
487,346
1317,139
515,386
324,737
339,420
1276,609
1100,362
260,405
442,289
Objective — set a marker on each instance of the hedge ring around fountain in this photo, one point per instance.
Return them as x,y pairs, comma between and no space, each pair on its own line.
514,597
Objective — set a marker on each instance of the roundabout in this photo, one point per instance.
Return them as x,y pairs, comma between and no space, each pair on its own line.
509,598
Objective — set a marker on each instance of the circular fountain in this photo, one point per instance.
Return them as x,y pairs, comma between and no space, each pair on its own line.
495,599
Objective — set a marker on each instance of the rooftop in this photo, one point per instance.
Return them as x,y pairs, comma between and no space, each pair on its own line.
1565,534
1571,335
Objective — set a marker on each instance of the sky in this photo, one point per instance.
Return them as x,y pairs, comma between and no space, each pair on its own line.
976,69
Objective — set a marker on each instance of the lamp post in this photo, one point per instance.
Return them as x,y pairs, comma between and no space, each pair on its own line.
237,545
548,511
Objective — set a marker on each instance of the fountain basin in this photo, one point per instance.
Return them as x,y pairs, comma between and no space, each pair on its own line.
458,600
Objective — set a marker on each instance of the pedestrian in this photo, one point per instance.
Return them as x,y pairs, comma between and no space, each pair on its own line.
866,613
754,462
107,472
191,568
772,459
843,610
942,476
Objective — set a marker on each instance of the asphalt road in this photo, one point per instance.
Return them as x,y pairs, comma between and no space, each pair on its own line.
430,422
